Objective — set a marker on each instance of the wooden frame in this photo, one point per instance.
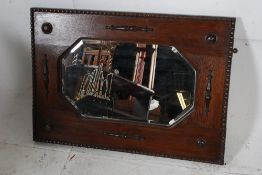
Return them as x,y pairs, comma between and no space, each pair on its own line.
207,43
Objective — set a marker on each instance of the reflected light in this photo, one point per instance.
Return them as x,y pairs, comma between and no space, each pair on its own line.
76,46
181,100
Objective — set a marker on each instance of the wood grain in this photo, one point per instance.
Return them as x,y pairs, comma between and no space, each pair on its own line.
187,33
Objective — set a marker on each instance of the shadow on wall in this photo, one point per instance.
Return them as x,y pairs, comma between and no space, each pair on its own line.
16,70
242,98
16,60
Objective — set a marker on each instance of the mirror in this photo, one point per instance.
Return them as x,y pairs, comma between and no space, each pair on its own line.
149,83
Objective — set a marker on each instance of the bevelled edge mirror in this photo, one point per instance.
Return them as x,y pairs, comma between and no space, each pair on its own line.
135,82
147,83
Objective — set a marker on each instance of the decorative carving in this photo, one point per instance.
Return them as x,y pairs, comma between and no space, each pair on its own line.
126,28
46,74
228,60
226,90
124,135
208,92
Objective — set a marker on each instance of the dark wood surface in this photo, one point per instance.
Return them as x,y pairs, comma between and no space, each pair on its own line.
200,137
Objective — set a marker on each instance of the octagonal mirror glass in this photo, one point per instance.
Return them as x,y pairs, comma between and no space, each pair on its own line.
140,82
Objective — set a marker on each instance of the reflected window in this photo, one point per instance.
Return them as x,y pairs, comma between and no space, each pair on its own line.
140,82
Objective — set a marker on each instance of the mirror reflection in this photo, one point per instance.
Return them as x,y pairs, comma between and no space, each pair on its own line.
140,82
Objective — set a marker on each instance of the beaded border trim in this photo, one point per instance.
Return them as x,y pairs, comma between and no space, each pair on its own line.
132,14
